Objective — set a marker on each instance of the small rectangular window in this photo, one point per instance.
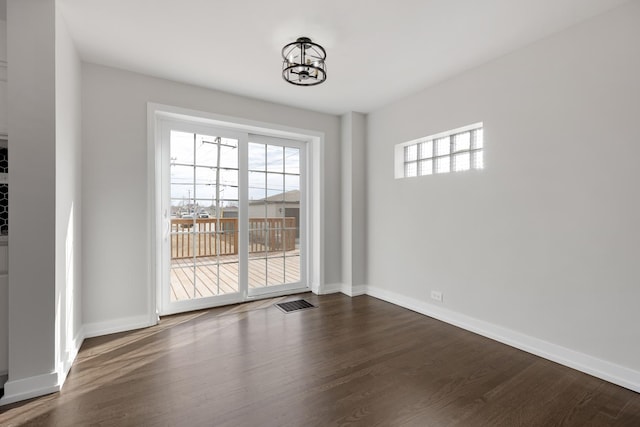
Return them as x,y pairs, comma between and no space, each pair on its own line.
457,150
410,169
426,167
462,162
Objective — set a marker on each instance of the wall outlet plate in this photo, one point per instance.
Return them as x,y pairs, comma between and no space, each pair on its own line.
436,295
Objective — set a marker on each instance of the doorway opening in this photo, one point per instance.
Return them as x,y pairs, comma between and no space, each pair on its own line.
233,212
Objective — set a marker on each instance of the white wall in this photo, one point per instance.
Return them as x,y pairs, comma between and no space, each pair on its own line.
354,216
68,196
545,240
45,318
114,190
32,208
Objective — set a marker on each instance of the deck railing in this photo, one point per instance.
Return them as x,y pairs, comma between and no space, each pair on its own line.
205,238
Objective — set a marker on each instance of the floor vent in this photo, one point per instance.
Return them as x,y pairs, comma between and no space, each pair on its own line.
291,306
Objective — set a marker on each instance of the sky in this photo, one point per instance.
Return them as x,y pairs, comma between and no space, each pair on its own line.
272,169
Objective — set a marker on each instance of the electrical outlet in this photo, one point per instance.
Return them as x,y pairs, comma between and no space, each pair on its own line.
436,295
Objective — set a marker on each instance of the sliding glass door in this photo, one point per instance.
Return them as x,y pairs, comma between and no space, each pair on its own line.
276,208
203,180
234,209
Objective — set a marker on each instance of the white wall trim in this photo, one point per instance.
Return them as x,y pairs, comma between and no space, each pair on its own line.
345,288
65,365
354,290
315,288
118,325
330,288
26,388
154,229
608,371
40,385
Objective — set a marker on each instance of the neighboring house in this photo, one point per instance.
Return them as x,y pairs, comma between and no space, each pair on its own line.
283,205
279,205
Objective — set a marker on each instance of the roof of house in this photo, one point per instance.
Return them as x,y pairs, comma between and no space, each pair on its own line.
292,196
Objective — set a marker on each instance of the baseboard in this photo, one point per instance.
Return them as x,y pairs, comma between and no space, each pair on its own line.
330,288
315,288
118,325
26,388
71,355
358,290
608,371
353,291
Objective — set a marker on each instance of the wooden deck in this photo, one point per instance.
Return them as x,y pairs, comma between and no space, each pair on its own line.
219,276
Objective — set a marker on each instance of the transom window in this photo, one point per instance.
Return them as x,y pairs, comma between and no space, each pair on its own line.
452,151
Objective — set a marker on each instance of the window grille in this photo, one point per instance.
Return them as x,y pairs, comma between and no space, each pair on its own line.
453,151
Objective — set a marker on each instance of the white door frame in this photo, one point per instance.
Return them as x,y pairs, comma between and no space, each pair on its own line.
300,286
167,125
314,217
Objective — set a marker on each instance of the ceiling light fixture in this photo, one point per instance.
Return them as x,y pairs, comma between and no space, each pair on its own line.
303,63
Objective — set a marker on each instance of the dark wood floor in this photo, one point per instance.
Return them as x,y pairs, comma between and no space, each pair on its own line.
351,361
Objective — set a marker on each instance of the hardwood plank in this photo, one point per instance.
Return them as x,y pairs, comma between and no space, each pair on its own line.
350,361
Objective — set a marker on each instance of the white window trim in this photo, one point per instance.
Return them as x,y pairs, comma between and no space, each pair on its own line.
398,154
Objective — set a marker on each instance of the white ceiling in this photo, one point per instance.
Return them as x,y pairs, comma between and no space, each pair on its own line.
377,52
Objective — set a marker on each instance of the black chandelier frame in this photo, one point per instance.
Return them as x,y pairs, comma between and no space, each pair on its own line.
304,63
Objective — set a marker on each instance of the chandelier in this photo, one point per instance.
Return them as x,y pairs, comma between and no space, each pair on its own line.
303,63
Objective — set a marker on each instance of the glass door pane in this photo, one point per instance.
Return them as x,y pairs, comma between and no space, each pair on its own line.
204,205
233,216
274,208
